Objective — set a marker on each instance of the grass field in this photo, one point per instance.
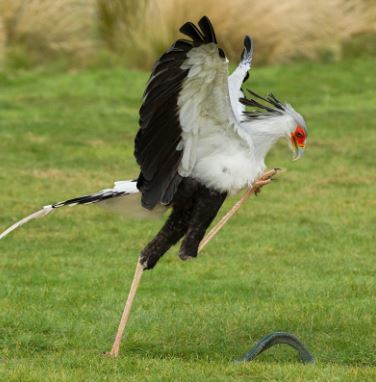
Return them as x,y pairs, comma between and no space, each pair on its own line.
299,258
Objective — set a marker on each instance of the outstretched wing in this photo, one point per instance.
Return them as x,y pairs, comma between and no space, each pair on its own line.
238,77
160,130
186,93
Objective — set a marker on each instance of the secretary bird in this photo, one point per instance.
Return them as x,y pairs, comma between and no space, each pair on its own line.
196,143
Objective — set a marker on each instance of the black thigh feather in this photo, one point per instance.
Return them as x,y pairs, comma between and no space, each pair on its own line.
193,209
206,206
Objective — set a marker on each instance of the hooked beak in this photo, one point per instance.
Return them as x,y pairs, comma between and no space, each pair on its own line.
297,149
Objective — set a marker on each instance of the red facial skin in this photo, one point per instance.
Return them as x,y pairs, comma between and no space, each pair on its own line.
299,136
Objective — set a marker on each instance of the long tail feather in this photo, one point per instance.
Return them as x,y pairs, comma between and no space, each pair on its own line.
120,188
36,215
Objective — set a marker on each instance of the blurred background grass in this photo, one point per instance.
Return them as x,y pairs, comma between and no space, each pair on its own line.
101,33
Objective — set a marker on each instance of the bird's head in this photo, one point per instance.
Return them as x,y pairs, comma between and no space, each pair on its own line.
277,120
298,132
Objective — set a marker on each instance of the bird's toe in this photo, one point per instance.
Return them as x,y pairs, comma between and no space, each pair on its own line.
148,262
187,254
185,257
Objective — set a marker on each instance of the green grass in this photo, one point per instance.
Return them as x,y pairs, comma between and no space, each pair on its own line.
299,258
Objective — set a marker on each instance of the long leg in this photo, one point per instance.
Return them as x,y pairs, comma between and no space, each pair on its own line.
174,228
172,231
207,204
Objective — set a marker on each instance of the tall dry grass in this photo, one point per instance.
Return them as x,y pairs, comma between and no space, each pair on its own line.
282,30
2,43
45,28
137,31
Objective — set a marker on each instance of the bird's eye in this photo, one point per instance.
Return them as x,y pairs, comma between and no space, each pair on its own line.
299,134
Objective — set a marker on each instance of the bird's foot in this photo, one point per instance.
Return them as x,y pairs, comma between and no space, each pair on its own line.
265,178
269,174
185,257
147,261
187,253
259,184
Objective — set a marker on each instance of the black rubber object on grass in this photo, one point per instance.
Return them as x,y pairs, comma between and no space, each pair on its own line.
278,338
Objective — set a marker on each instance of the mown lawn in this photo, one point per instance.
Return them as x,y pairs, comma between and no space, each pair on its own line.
299,258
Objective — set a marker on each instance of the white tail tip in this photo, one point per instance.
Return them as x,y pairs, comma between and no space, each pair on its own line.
36,215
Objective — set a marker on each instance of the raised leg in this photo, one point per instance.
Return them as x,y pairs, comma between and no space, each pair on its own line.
206,206
266,178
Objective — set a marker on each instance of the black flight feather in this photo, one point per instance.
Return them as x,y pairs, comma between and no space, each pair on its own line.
181,45
247,51
254,103
273,106
269,99
257,95
192,31
247,43
207,29
160,130
275,101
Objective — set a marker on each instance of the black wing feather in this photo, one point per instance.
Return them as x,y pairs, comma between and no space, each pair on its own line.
160,131
254,103
192,31
207,27
273,107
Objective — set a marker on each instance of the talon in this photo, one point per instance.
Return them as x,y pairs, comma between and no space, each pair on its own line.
187,253
183,256
259,184
268,174
148,262
186,257
262,182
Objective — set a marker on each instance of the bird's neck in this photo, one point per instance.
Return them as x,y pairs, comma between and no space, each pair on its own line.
266,132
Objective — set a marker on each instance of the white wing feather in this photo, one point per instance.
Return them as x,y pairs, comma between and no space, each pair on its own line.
235,82
216,149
